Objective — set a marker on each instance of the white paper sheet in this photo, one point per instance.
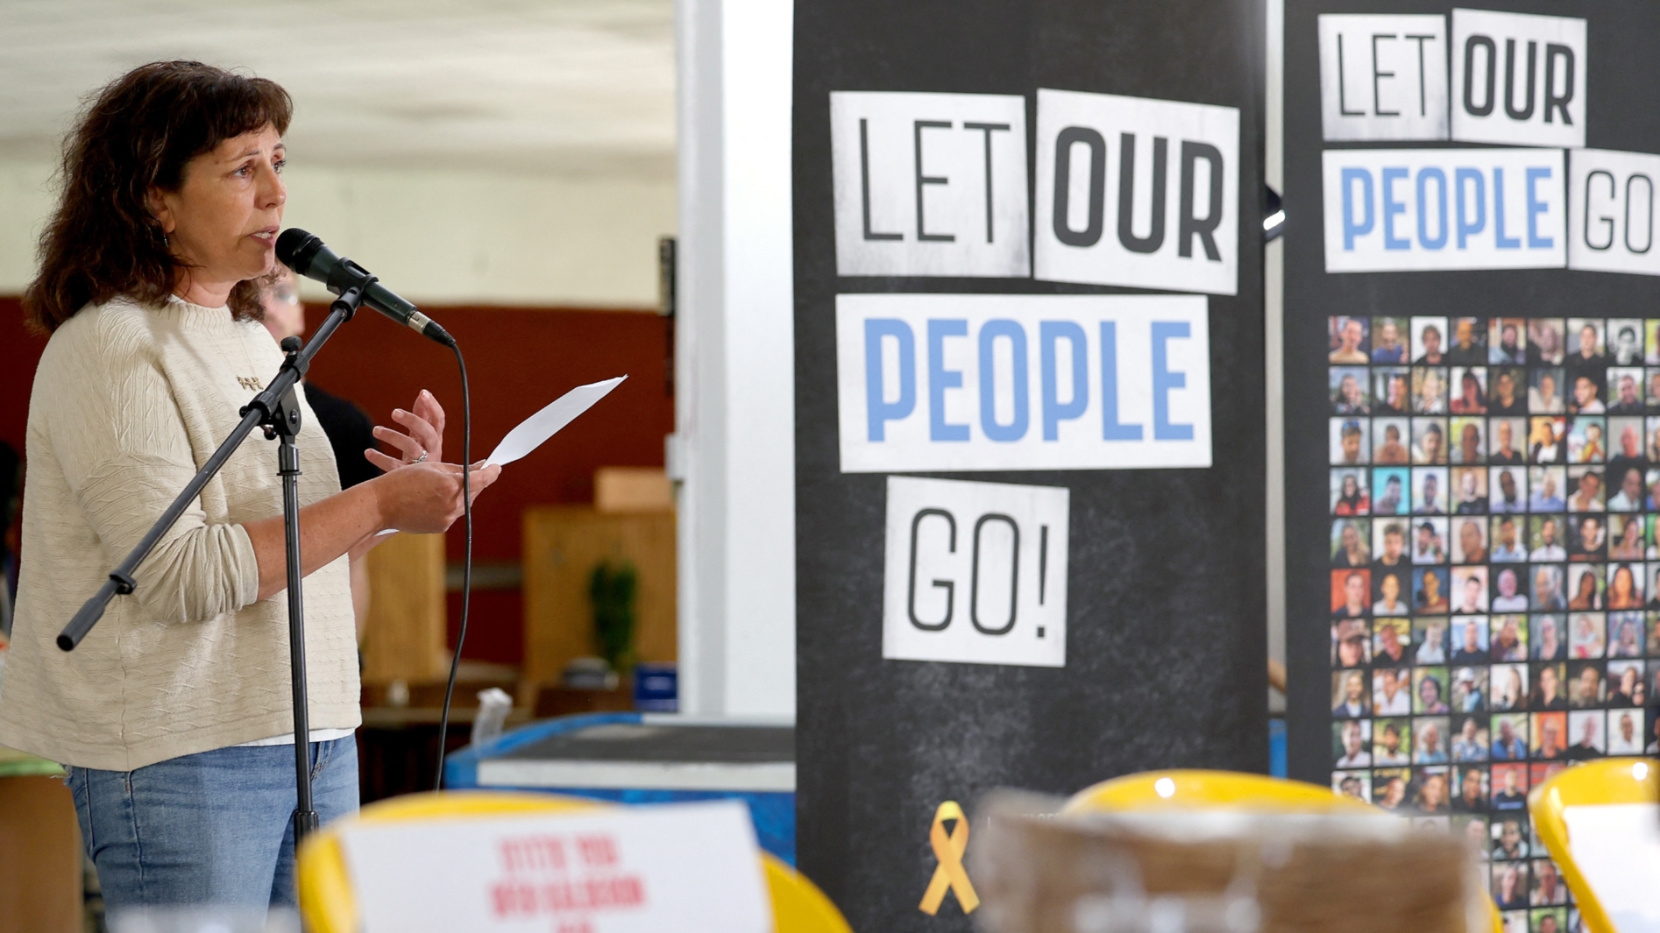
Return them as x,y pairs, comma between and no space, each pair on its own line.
533,431
685,867
1617,846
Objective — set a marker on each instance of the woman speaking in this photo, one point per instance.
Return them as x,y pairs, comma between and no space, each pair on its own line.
174,716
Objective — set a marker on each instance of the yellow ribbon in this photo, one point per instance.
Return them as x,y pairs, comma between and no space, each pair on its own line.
950,874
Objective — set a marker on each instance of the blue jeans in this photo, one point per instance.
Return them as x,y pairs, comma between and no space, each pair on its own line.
211,828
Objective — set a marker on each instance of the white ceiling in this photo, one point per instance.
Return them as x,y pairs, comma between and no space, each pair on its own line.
562,86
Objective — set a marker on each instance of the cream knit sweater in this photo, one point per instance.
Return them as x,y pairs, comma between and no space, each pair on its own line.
128,402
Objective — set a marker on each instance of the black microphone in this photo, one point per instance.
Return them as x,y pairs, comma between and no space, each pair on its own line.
307,256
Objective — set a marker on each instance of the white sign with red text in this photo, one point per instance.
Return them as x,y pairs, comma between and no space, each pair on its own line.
686,867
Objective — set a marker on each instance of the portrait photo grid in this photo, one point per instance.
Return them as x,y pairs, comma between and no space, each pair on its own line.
1495,572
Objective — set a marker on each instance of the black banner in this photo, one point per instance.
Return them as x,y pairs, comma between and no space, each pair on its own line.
1132,634
1472,401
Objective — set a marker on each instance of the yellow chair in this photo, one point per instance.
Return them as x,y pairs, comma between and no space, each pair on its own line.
1220,790
1210,790
327,904
1608,781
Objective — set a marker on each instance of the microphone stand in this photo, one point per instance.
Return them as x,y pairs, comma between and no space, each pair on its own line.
275,409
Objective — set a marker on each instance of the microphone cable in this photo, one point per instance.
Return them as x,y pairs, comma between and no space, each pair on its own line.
467,566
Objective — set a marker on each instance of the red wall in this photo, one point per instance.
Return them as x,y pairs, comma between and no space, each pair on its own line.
518,359
19,352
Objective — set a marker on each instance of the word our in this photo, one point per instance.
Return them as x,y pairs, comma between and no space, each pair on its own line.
1170,172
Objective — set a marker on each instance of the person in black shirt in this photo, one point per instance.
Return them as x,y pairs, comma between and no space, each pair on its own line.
1547,693
1470,649
349,429
1470,798
350,432
1510,844
1510,796
1393,396
1626,453
1586,748
1507,397
1509,347
1624,398
1587,353
1430,339
1469,345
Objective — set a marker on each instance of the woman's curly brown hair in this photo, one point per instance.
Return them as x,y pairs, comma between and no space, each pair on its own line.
137,135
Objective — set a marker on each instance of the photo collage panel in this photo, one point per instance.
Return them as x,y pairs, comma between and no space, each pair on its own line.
1494,585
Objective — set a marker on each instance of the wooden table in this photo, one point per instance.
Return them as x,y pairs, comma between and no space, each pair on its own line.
41,883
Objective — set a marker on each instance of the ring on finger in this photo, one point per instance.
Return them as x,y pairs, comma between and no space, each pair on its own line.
419,459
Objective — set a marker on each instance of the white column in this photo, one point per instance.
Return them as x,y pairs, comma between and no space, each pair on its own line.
1273,307
733,453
